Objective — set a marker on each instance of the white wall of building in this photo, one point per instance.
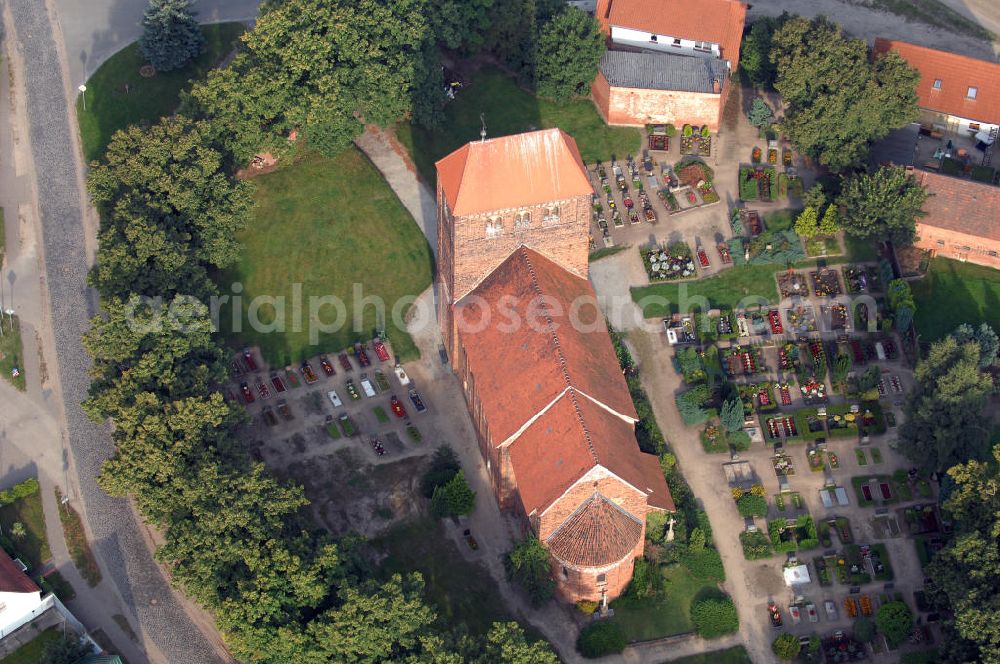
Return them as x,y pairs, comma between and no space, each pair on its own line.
665,43
16,609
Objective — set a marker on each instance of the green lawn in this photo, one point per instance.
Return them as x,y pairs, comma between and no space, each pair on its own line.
509,109
32,651
117,96
330,225
953,292
665,615
33,548
460,591
11,350
725,290
734,655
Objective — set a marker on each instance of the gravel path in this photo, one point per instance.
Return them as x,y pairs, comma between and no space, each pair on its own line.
118,540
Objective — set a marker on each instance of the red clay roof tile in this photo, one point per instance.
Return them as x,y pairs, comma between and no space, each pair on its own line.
717,21
513,172
961,205
597,534
957,74
12,579
556,364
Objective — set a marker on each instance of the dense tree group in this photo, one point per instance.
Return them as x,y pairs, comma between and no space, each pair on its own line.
570,47
947,421
838,100
966,572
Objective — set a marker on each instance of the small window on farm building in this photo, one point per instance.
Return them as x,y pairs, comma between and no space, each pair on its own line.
522,220
565,573
974,126
602,578
972,93
677,42
551,215
652,38
937,83
991,254
940,243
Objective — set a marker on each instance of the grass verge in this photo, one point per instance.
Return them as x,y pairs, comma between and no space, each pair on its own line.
667,614
32,651
60,586
331,227
33,547
953,292
734,288
118,96
76,542
604,252
734,655
509,109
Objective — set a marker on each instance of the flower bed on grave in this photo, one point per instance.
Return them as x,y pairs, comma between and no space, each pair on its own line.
817,459
669,200
810,424
781,426
696,174
841,421
784,393
838,317
742,360
793,283
813,391
774,322
862,279
696,141
788,358
759,397
825,283
668,263
801,319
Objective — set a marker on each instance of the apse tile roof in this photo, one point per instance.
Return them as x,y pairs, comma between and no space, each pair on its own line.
717,21
957,74
961,205
512,172
12,579
598,533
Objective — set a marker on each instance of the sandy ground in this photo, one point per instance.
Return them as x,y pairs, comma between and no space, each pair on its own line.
869,24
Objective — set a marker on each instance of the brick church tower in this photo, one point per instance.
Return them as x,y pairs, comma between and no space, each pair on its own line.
496,195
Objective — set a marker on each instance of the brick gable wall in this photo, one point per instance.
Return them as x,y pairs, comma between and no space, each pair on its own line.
628,106
952,244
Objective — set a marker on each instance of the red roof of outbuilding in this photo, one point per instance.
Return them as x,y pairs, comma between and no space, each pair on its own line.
512,172
965,206
12,579
553,386
957,74
717,21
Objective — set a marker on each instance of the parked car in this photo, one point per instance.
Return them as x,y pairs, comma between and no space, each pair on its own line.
334,399
811,612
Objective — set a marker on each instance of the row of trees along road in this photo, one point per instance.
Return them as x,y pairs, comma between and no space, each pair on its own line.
235,538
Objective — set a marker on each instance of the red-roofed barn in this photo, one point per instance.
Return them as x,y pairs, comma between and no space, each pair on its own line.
669,61
552,412
962,219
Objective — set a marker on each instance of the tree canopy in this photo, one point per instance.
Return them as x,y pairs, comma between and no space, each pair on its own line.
883,204
985,336
838,99
966,572
786,647
895,621
570,47
528,566
171,37
946,417
321,67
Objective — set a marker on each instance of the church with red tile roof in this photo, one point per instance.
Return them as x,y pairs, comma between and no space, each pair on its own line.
552,412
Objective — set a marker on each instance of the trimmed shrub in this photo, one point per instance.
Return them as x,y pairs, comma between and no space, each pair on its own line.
751,505
600,638
895,621
755,545
786,647
713,618
28,487
704,564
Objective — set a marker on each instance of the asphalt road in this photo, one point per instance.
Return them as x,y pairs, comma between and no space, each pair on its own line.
118,539
93,30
